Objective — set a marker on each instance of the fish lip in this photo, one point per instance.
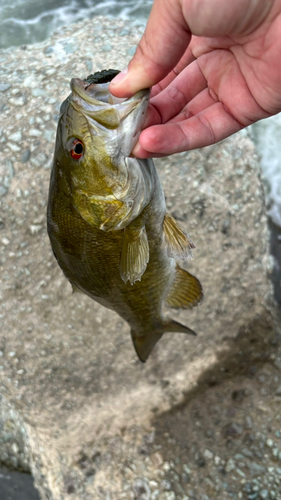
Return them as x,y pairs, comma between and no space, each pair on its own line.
79,87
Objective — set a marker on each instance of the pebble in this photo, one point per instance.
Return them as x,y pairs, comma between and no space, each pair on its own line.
35,228
89,65
35,132
256,469
16,136
49,50
38,92
132,50
269,443
49,135
277,363
4,87
25,156
141,489
70,48
248,422
106,48
230,465
13,147
208,454
18,101
169,496
166,485
124,32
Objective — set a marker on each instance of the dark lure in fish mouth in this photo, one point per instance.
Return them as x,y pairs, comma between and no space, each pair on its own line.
95,88
104,76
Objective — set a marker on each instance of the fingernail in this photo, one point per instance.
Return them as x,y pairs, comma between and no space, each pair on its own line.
136,151
118,78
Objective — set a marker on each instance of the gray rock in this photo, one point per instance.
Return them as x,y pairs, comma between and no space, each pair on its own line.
4,87
141,489
49,50
70,48
25,156
49,135
39,92
16,136
132,50
256,469
124,32
106,48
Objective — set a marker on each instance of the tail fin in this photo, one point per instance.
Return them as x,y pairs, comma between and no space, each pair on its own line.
144,344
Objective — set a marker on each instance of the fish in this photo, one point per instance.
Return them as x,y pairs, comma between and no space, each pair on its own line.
107,219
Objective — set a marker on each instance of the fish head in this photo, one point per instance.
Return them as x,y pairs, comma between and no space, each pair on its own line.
96,132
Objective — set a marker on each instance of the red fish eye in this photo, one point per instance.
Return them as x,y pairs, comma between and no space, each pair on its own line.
77,149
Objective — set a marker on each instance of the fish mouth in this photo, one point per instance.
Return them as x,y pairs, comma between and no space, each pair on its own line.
105,112
98,94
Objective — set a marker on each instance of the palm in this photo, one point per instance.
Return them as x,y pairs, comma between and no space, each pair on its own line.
220,86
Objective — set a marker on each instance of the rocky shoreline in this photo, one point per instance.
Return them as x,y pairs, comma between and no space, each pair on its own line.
201,420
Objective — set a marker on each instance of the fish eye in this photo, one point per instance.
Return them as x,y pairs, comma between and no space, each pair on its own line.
77,149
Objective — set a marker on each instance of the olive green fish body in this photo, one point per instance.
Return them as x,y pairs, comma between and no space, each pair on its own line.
107,219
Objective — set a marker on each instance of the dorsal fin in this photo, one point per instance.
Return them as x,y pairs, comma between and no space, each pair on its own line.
186,291
179,245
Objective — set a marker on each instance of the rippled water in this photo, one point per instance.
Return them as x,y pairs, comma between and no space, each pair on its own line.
30,21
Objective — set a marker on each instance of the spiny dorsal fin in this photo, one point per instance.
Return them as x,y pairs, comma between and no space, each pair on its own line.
135,254
179,245
186,291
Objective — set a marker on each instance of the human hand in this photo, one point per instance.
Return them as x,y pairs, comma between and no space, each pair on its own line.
214,67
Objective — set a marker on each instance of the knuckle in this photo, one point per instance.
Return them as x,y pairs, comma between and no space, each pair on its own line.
208,129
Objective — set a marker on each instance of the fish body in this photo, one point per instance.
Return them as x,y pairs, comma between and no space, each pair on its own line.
107,219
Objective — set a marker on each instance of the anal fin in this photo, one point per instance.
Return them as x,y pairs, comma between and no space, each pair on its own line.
179,245
186,291
134,255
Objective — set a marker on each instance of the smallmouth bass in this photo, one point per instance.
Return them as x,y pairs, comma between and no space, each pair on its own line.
107,219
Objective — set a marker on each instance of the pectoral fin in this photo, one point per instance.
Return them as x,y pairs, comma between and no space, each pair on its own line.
135,254
186,291
178,243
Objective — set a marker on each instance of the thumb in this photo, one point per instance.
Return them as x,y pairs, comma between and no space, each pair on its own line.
164,42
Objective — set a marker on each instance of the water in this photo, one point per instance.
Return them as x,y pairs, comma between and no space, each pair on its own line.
30,21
